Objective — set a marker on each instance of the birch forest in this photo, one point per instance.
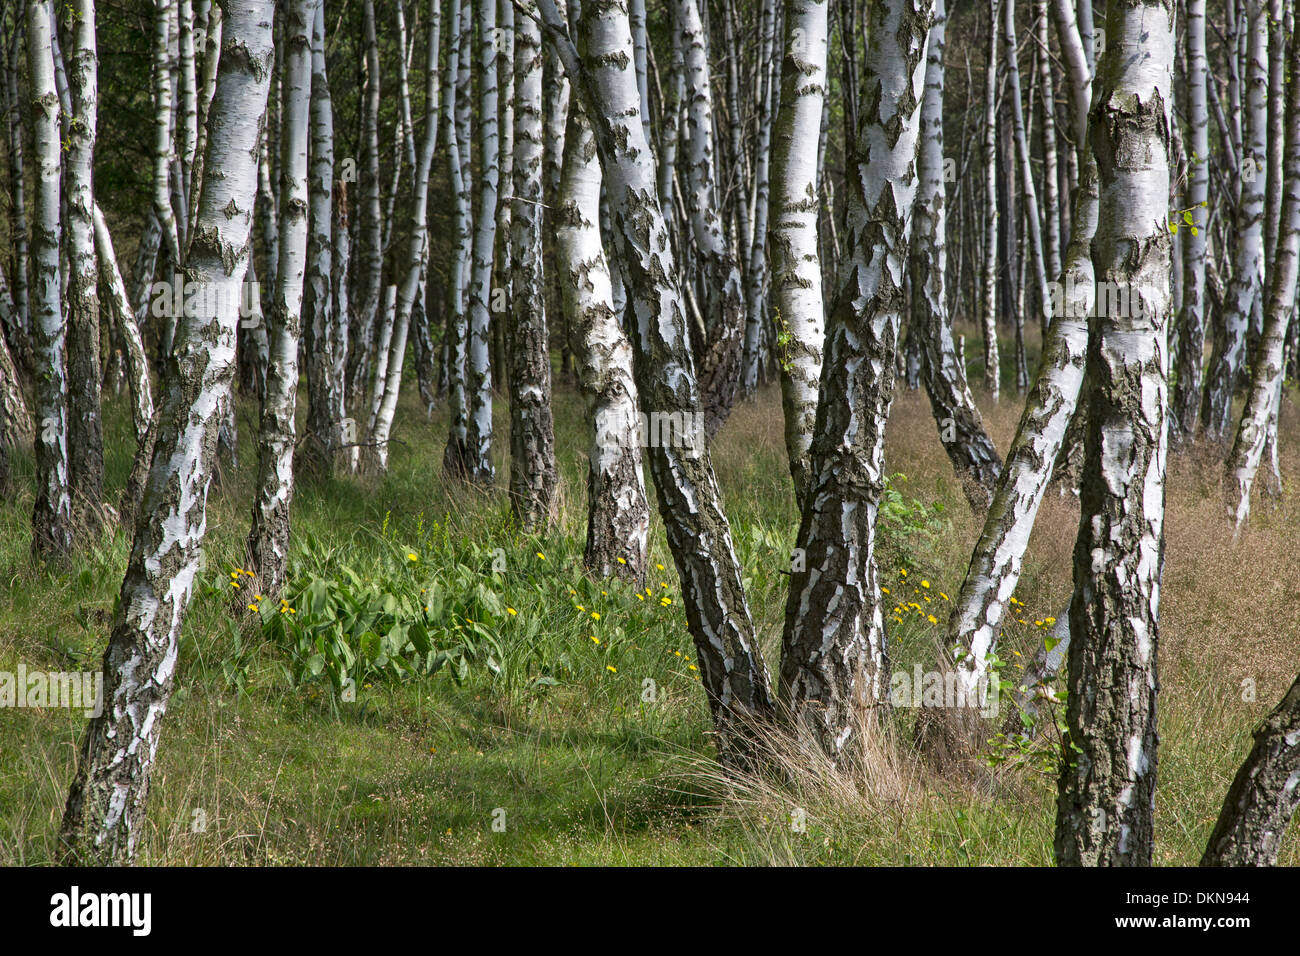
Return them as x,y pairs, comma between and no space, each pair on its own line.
657,432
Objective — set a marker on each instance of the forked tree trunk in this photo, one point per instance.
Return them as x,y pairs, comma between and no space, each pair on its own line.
961,427
690,502
104,817
834,662
533,474
1107,785
52,517
796,266
268,540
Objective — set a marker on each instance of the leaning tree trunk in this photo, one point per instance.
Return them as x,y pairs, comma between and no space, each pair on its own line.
731,664
85,425
1248,261
137,362
1266,380
1191,320
478,369
268,540
532,432
995,564
618,518
52,517
1107,785
961,428
1264,794
792,234
834,662
104,817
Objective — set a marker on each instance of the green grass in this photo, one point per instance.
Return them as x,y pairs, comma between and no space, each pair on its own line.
547,726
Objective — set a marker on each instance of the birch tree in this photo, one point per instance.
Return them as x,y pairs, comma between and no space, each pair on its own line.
268,540
731,664
961,427
85,427
533,474
834,662
1245,291
52,516
618,517
989,275
478,370
796,266
103,819
1266,379
1107,784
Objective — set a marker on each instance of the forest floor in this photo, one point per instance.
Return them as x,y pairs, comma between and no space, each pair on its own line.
536,743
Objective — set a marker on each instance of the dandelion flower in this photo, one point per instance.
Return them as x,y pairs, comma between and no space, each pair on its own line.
932,619
542,556
925,584
252,607
691,667
511,611
622,560
884,590
902,572
611,668
412,556
594,638
640,596
595,615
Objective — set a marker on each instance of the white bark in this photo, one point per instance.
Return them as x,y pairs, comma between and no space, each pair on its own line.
796,266
52,517
104,816
1106,796
834,662
268,540
989,277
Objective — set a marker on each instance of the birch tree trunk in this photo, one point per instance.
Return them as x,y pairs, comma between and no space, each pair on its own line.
731,664
478,371
1248,261
163,146
1052,213
989,278
456,459
1191,320
834,662
1266,380
796,266
1107,784
720,352
1264,795
52,516
104,816
371,233
268,540
533,474
961,428
325,394
137,362
618,517
85,426
21,321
